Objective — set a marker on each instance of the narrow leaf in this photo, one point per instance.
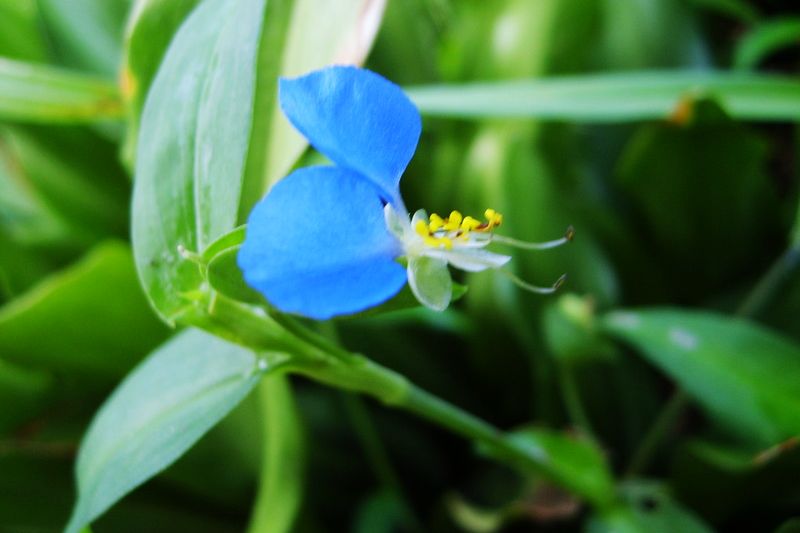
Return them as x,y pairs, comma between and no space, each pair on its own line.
161,409
614,97
35,93
766,39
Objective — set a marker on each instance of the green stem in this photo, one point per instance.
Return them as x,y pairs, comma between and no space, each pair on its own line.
756,301
315,357
572,399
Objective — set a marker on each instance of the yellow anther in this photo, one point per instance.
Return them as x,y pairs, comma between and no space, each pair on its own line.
493,218
422,229
447,243
469,224
453,221
436,222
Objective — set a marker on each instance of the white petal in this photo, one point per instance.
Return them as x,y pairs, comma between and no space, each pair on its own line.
471,260
430,281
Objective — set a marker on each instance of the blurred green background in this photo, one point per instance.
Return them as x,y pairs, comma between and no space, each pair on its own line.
685,208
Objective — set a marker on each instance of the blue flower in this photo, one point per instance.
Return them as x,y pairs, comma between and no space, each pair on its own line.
328,240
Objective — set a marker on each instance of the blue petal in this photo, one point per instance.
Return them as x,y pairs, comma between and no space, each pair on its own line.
317,245
358,119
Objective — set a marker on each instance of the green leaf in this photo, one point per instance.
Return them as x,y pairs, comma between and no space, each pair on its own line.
86,34
225,276
283,459
764,40
90,319
674,191
36,93
648,509
161,409
614,97
573,462
20,37
150,29
189,170
743,375
23,389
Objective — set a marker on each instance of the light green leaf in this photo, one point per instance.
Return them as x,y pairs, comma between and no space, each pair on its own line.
86,34
430,281
743,375
36,93
90,319
151,26
20,37
614,97
573,462
283,459
189,170
764,40
161,409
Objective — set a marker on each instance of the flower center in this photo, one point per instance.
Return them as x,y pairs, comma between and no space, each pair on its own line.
441,232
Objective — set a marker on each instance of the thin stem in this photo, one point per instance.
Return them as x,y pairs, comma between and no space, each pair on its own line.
377,455
663,423
525,245
572,400
768,286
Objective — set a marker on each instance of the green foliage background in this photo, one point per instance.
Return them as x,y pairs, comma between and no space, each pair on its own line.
659,391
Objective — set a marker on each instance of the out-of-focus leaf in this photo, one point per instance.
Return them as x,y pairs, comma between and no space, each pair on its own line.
90,319
382,512
74,188
739,9
743,375
199,174
20,267
790,526
20,37
36,93
647,35
159,411
573,462
701,196
648,509
86,34
614,97
765,39
151,26
283,459
22,391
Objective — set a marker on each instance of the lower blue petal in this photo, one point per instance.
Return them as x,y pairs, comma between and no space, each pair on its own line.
317,245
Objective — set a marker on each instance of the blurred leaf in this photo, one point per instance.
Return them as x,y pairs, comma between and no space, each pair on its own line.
648,509
766,39
739,9
20,267
790,526
382,512
158,412
150,29
36,93
702,197
76,176
23,390
283,459
20,37
743,375
573,462
614,97
86,34
648,35
90,319
309,34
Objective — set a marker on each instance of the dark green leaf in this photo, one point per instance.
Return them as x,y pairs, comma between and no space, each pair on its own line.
766,39
614,97
159,411
90,319
743,375
36,93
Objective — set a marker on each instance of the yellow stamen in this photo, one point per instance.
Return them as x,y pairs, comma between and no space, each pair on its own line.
469,224
453,221
422,229
436,222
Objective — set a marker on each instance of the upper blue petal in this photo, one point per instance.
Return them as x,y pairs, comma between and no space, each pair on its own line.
317,245
358,119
